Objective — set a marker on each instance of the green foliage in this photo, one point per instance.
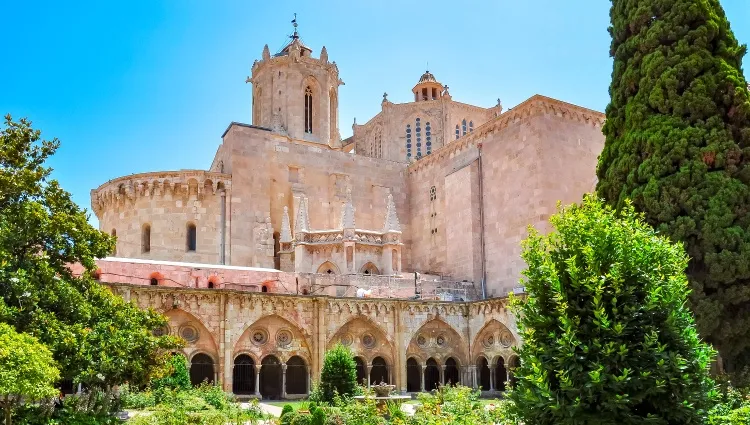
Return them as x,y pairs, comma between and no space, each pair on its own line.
339,374
91,408
453,405
203,405
607,336
678,145
287,409
177,376
27,370
95,337
318,416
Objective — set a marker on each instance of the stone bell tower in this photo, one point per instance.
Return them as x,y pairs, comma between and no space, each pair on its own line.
296,94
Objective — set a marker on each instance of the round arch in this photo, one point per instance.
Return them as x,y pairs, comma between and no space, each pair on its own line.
434,339
451,375
379,371
296,375
483,372
243,375
201,369
431,374
270,378
413,375
361,371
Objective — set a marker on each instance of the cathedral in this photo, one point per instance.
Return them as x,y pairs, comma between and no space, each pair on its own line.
401,242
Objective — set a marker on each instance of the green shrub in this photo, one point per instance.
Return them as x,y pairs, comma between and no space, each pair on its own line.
318,416
134,399
177,377
339,374
288,417
607,336
302,419
287,409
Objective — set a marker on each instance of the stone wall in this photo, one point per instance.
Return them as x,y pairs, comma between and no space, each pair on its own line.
163,204
269,173
225,324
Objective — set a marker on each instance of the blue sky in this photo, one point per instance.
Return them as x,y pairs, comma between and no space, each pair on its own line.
143,85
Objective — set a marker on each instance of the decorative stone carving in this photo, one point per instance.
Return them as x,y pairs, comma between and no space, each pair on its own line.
368,341
283,338
286,230
391,217
189,333
506,339
259,337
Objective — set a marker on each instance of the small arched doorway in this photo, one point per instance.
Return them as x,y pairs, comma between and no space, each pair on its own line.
483,369
243,375
270,378
431,375
201,369
450,376
379,371
296,376
413,375
361,377
501,375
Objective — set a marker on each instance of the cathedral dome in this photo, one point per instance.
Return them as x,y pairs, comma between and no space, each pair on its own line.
428,88
427,77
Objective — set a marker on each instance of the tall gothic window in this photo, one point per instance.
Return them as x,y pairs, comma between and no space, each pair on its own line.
408,141
428,137
471,126
458,134
418,130
308,110
378,144
191,237
463,127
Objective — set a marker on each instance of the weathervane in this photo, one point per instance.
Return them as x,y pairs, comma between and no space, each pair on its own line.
294,24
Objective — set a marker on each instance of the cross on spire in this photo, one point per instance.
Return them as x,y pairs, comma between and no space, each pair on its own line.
294,24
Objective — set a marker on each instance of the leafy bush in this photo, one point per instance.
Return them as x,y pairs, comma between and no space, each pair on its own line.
287,409
177,376
133,399
339,374
608,338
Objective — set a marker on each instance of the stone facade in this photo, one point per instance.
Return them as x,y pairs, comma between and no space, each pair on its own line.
428,200
412,344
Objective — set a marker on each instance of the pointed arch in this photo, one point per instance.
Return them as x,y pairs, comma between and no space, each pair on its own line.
436,338
493,339
328,268
369,269
274,335
194,331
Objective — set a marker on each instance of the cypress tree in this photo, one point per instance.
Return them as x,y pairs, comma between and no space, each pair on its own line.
678,145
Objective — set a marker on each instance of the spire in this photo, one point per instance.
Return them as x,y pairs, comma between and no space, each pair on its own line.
347,212
324,55
391,218
266,53
302,224
286,230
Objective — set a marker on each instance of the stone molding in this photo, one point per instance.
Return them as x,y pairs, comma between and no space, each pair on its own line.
534,106
154,184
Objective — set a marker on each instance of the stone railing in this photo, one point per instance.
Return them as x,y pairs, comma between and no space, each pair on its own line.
336,236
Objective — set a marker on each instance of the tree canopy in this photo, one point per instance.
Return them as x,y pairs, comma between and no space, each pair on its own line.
607,338
678,145
339,374
27,370
96,337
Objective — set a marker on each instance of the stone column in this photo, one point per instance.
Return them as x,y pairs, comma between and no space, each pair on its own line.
283,380
390,374
368,368
442,374
493,372
474,383
257,380
421,382
309,383
507,377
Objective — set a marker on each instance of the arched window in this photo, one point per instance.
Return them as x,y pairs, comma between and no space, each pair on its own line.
471,126
264,288
428,137
146,239
458,134
191,237
408,141
463,127
378,144
114,235
154,281
308,110
418,130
